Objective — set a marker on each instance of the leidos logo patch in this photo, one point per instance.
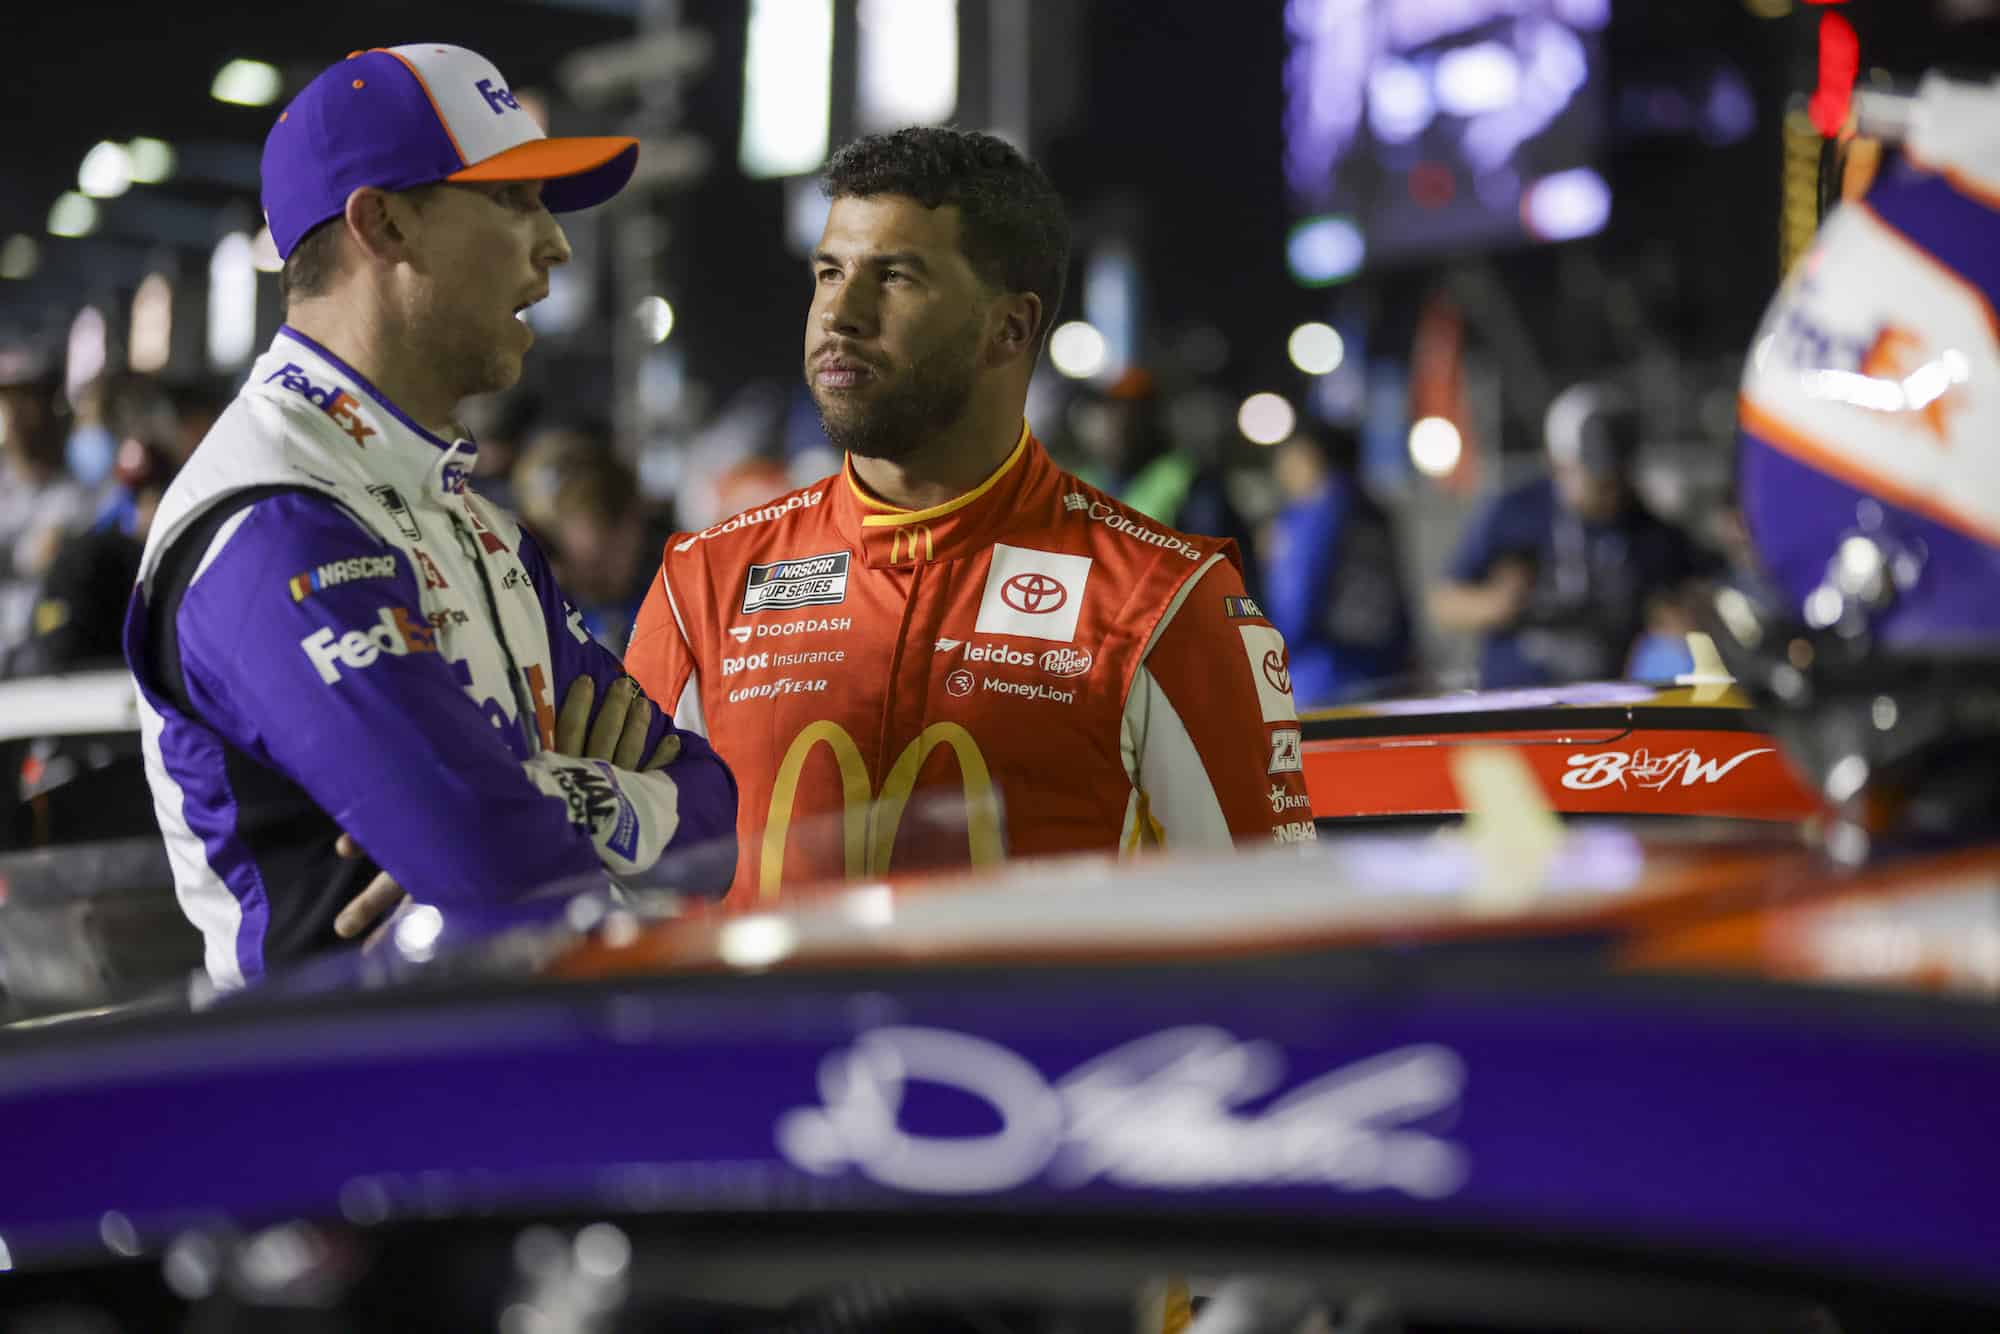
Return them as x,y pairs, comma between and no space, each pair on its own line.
333,400
810,581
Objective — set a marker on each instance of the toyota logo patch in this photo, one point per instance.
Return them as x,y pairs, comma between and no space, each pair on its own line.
1035,594
1278,670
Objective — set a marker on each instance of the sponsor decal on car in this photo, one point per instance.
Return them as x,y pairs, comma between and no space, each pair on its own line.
1188,1108
337,572
1683,768
1032,594
396,632
751,518
809,581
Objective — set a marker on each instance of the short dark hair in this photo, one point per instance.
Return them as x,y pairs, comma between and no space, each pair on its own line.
315,257
309,269
1012,226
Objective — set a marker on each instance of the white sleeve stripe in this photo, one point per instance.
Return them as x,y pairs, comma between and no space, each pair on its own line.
687,709
1174,607
675,608
1170,770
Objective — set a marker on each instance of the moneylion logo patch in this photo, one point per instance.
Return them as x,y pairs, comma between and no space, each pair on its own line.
810,581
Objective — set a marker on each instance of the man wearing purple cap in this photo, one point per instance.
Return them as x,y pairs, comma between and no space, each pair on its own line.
330,631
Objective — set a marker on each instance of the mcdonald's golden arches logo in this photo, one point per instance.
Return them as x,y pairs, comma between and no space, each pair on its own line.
869,820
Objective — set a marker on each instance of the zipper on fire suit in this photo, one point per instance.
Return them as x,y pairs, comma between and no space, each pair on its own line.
524,708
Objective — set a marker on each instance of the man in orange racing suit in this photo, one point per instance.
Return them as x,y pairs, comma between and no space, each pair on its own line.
952,612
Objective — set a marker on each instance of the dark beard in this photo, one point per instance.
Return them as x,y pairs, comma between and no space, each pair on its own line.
931,398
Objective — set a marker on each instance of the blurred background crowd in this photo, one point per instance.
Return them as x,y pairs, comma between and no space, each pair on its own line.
1437,307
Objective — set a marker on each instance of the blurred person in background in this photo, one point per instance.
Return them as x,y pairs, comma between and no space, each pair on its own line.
1333,578
39,501
548,459
598,545
503,425
339,646
80,608
980,640
1560,575
1129,450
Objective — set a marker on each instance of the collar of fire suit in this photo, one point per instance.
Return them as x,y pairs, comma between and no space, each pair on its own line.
388,441
889,536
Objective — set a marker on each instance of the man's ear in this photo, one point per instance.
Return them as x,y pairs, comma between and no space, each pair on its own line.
375,220
1020,326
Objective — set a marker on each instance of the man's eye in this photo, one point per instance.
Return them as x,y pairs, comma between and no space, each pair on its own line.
893,275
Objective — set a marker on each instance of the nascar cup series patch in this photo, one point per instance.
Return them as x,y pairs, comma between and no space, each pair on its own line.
809,581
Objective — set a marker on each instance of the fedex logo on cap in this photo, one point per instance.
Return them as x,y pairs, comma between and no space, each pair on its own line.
498,98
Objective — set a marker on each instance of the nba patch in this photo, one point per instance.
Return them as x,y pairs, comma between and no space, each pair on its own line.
1238,608
1034,593
1271,669
810,581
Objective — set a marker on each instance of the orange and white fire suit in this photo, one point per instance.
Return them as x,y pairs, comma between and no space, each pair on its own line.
1068,673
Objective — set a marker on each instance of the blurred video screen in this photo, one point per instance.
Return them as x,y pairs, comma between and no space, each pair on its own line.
1414,127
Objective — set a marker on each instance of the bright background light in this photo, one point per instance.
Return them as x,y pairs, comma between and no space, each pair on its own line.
1399,101
152,324
1475,79
246,83
232,302
655,318
1435,446
152,160
1077,350
1567,204
756,942
1266,419
19,257
787,87
1324,250
1316,348
86,351
908,62
72,215
106,172
264,252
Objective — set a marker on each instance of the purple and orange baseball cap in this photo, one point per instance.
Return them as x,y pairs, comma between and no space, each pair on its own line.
403,116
